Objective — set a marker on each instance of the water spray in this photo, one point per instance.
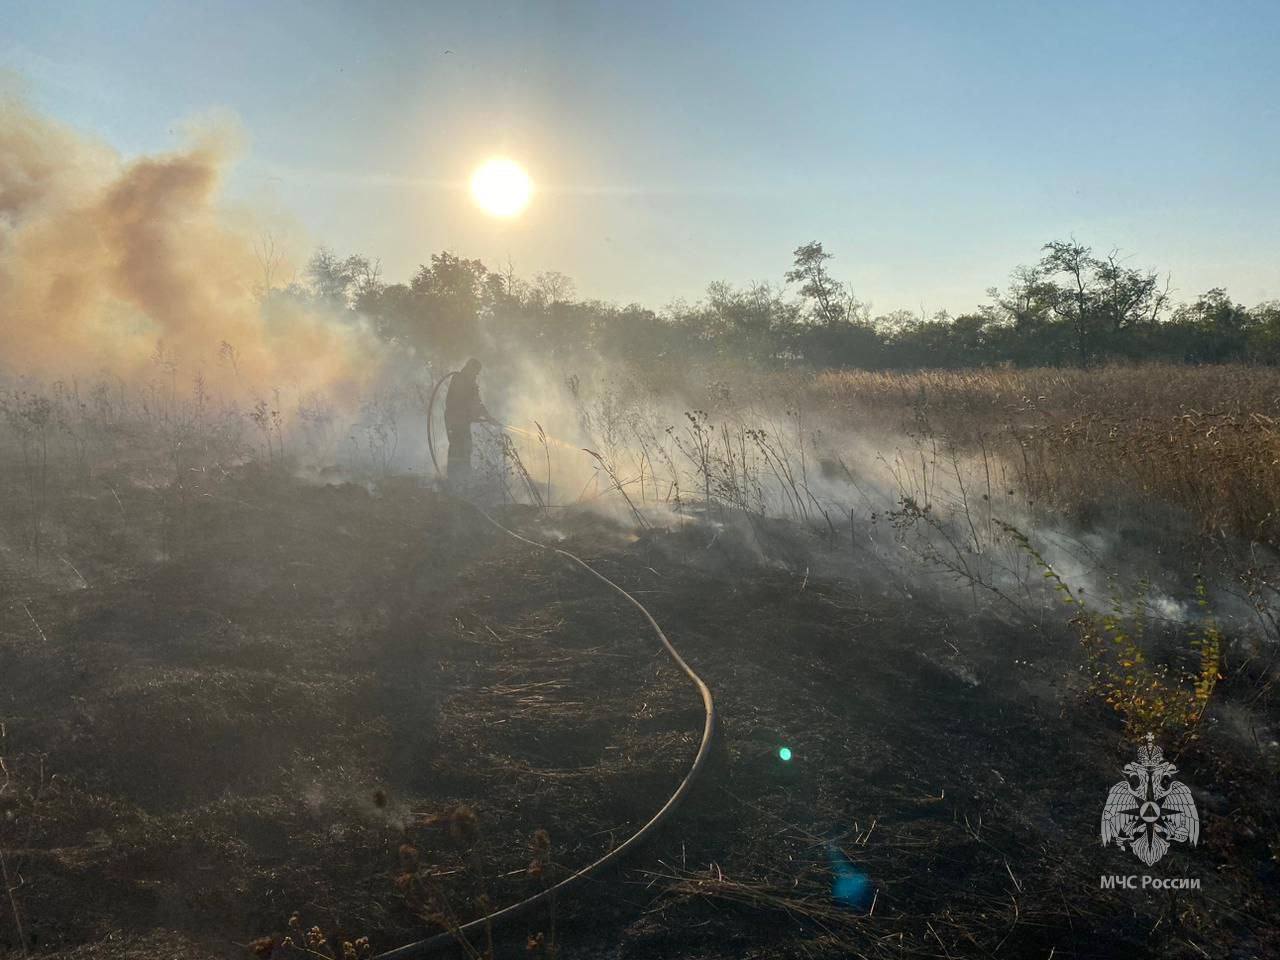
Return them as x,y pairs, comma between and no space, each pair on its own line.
544,436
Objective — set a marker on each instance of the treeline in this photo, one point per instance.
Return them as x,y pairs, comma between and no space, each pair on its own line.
1073,307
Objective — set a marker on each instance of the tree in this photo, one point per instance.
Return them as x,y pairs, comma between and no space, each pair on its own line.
1129,304
551,286
453,293
939,341
1100,299
831,302
343,283
1213,329
1072,306
395,312
838,333
632,333
269,257
751,323
1072,302
1264,332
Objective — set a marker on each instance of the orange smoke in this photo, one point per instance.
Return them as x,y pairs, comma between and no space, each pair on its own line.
106,266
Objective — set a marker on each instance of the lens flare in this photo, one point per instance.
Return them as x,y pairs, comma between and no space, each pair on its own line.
849,885
501,187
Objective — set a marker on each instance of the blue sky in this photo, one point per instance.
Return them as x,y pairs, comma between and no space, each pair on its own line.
931,146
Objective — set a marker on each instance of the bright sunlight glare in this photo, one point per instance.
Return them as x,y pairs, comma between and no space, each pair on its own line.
501,187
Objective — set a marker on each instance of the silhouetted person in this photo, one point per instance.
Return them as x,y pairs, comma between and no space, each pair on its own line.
462,408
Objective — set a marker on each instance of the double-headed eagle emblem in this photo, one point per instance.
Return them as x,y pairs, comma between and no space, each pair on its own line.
1150,810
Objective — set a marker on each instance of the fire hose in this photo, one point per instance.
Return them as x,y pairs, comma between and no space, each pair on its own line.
450,938
431,409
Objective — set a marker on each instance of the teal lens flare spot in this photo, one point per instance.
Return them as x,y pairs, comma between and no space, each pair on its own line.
784,753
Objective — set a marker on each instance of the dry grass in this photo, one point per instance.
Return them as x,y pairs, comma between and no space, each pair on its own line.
1205,439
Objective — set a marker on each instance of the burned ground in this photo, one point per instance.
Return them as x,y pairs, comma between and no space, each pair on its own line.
251,720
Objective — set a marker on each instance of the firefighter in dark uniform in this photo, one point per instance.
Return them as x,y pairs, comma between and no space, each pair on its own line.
462,408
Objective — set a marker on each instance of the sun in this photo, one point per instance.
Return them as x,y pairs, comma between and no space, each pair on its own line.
501,187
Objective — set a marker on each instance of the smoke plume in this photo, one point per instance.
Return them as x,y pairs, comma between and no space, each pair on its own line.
108,265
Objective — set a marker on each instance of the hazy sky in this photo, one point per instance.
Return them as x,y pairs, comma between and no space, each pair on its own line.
931,146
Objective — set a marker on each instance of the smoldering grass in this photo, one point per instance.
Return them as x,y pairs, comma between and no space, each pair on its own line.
611,472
